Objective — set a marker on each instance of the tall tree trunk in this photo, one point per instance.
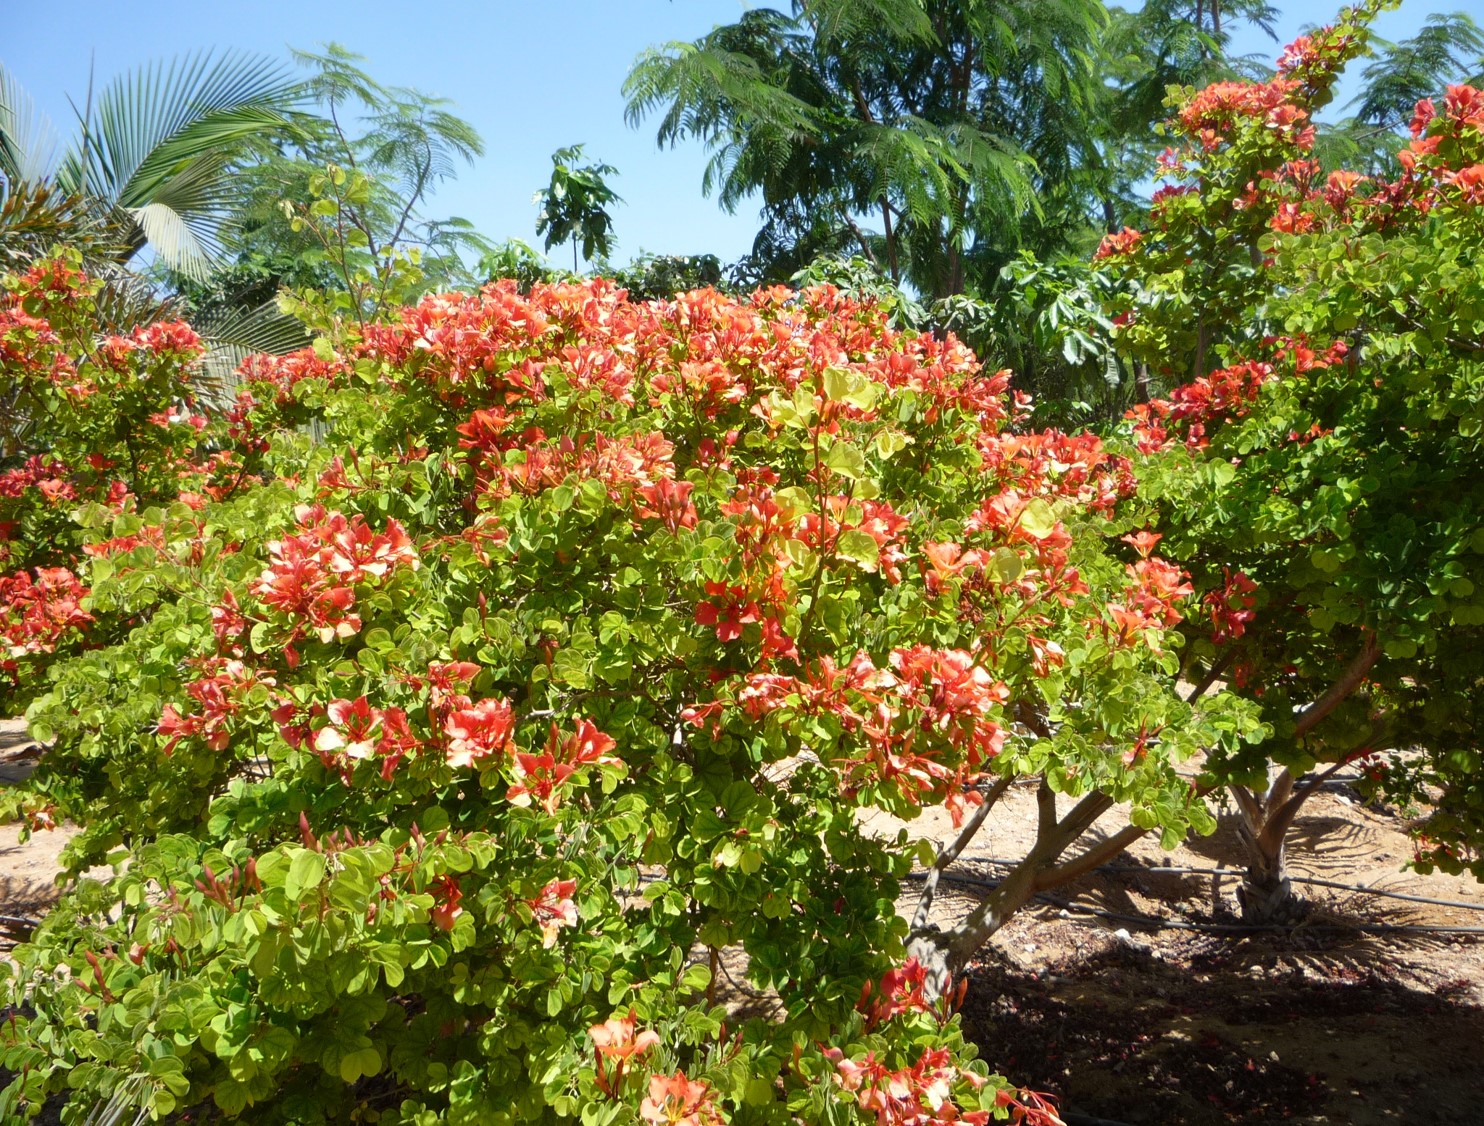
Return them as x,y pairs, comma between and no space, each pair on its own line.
891,244
1266,895
1141,382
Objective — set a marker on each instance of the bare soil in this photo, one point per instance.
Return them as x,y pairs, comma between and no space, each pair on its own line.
1166,1013
1170,1013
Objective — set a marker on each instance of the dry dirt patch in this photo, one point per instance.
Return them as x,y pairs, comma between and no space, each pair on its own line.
1193,1024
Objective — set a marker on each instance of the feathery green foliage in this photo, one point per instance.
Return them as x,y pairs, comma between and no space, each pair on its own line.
941,125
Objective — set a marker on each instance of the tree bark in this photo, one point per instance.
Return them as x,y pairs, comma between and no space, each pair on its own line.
1266,894
946,953
891,244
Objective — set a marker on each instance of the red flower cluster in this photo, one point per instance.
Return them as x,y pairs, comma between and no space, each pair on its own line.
1150,602
219,696
541,776
1117,243
36,612
901,990
163,340
674,1100
1231,607
618,1041
477,731
554,908
356,731
1217,109
924,727
452,340
447,897
277,376
909,1096
312,574
1049,464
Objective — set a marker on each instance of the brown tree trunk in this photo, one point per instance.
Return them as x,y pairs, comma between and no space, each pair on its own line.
891,244
1266,895
947,953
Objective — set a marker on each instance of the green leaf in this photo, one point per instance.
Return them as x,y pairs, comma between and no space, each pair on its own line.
837,383
1006,566
846,460
306,870
1038,519
364,1061
860,548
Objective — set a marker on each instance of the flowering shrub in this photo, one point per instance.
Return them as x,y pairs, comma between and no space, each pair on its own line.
454,758
1319,473
105,424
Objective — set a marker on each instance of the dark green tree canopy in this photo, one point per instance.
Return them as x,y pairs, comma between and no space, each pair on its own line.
937,137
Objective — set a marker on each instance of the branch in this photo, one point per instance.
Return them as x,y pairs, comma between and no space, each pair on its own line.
1080,819
1099,854
1279,821
949,853
424,170
1248,805
1095,857
860,237
1218,667
1279,789
1045,812
1349,681
1052,839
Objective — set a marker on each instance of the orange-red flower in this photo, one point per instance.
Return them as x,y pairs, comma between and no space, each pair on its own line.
675,1100
477,731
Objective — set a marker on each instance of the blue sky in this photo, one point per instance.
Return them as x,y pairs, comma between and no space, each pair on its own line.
531,78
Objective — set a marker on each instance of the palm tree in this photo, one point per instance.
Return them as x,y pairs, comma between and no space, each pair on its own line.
153,152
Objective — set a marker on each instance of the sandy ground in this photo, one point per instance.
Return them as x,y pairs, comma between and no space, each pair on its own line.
1192,1023
1182,1024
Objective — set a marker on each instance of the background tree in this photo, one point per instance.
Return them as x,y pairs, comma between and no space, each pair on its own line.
1333,421
355,188
1159,45
575,205
1448,48
651,277
929,136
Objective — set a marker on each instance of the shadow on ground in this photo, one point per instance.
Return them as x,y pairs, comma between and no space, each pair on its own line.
1202,1031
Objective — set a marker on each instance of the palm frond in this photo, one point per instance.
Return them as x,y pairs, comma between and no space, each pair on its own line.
183,107
157,142
234,334
27,139
35,217
173,239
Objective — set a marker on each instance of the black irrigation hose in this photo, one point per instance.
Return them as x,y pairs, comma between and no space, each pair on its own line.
1158,922
1314,880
